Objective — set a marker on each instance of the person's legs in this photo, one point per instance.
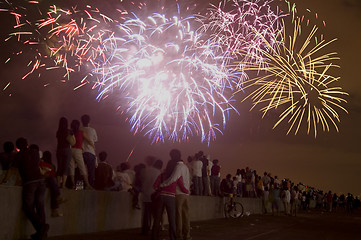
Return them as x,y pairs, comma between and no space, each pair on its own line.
158,212
89,160
147,217
178,216
185,217
33,205
78,157
170,206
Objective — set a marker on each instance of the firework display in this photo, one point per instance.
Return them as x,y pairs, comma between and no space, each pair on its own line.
172,82
296,80
241,26
175,68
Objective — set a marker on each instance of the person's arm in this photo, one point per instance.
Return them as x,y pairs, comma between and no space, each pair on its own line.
157,182
174,177
86,138
181,185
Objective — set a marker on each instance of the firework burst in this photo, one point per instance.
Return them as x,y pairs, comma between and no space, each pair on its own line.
297,80
244,28
59,38
173,83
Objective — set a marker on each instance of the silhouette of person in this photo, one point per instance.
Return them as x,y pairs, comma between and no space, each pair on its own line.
89,154
63,152
27,161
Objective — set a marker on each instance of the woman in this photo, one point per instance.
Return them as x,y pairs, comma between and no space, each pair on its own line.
166,200
63,152
77,154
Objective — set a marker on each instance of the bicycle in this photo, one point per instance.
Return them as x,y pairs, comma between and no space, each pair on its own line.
232,208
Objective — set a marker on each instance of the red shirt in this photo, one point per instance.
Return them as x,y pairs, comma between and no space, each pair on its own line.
79,140
170,189
215,170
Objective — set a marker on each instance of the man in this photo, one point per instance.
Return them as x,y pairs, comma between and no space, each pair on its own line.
27,161
182,199
88,148
103,173
148,177
196,166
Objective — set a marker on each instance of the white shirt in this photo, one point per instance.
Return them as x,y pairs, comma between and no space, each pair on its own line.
197,168
181,170
92,135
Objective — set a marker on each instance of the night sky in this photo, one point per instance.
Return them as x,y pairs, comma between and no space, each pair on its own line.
332,161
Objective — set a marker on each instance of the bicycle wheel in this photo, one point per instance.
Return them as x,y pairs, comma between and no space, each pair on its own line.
227,209
236,211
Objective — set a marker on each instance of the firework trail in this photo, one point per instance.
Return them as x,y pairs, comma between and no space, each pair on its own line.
173,83
59,38
242,25
297,80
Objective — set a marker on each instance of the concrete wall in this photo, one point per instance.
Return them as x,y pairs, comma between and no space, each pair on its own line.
95,211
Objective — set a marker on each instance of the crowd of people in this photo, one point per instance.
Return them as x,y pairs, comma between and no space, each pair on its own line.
78,167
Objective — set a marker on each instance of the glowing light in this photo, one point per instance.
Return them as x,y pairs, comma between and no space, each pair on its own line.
173,83
297,82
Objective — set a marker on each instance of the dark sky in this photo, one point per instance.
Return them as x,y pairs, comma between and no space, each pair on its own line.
330,162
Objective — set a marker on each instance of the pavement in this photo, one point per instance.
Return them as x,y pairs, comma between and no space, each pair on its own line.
308,225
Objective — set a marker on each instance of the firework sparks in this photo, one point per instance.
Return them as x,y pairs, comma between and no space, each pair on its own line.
244,28
297,80
174,84
60,38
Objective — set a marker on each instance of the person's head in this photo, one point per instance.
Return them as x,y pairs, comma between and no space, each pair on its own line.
75,125
149,160
63,124
138,168
21,143
265,173
169,168
228,176
189,159
158,164
47,157
85,119
8,147
238,172
124,166
102,156
175,155
215,161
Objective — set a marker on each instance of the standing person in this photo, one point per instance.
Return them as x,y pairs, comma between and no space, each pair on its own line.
286,199
215,178
294,201
239,182
103,173
259,187
63,152
205,177
166,200
27,161
196,166
148,177
265,200
249,187
77,154
182,198
89,148
329,201
276,199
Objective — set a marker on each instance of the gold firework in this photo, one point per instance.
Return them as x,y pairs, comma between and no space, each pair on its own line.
296,80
